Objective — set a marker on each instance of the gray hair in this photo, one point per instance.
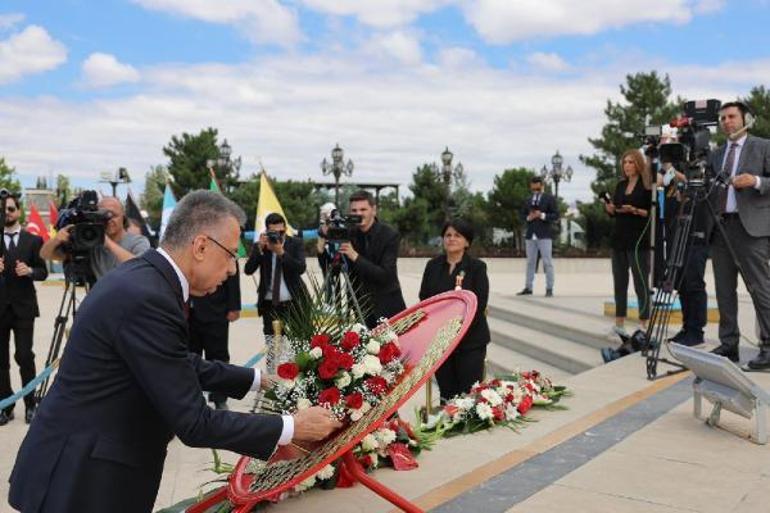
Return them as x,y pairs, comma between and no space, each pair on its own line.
196,212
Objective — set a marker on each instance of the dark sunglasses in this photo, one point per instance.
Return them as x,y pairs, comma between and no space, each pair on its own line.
10,209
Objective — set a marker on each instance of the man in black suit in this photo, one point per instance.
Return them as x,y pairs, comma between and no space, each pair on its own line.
19,266
744,206
127,382
539,212
281,263
210,318
372,254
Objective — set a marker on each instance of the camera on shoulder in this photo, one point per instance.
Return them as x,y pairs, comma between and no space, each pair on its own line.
342,228
88,220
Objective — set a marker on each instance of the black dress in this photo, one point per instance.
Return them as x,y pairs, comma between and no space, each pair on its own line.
465,365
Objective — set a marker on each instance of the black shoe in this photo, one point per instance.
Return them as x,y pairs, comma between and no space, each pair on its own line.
678,337
30,414
524,292
692,340
730,352
5,417
762,361
549,293
221,405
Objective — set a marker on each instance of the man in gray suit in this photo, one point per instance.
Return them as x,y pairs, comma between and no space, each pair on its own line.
745,209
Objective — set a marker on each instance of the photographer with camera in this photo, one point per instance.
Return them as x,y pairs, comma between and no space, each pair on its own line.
743,164
118,245
281,263
19,267
371,254
630,207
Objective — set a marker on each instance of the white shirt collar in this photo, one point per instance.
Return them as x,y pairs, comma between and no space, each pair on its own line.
740,142
13,230
179,273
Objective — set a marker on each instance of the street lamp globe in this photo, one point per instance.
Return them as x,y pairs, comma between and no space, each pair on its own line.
446,156
557,160
225,150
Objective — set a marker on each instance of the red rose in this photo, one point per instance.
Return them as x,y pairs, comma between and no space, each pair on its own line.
354,400
525,404
327,369
451,409
345,361
319,341
331,353
389,352
498,412
350,340
377,385
329,396
288,370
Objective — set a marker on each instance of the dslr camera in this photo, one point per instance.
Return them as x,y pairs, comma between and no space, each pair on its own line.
89,223
274,237
341,228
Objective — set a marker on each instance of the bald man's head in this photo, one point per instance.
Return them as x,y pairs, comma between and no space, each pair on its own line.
116,225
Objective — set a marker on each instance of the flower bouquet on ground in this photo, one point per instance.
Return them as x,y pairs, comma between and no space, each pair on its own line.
501,401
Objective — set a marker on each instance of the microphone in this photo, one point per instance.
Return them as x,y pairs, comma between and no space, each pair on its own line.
742,130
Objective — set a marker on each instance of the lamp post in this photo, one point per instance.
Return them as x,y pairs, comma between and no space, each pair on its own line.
337,168
447,171
120,176
224,161
556,174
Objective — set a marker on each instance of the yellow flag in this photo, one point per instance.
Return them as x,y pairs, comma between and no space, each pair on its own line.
267,204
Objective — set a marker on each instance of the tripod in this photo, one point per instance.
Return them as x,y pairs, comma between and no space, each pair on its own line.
67,308
341,294
661,313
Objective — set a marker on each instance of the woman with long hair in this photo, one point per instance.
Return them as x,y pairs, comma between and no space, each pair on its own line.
630,206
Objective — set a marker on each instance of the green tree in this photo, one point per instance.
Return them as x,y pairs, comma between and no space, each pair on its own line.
509,192
428,185
152,198
758,101
188,156
63,190
8,178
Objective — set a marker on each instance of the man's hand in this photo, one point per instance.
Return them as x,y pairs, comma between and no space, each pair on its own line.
314,424
233,315
346,248
534,214
609,208
262,241
22,269
266,381
276,247
2,264
744,181
63,235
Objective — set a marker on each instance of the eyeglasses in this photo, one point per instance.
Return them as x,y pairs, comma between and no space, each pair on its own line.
233,255
10,209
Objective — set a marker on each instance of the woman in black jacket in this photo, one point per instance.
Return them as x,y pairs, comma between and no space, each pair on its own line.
453,270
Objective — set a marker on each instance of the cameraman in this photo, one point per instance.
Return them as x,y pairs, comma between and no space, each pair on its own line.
281,263
119,245
372,253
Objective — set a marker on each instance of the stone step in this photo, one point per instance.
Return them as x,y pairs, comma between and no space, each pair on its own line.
557,351
501,360
580,328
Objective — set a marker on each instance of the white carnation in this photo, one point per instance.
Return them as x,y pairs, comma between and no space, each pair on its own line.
484,411
373,347
511,413
316,353
343,380
358,370
303,403
491,396
385,437
306,484
358,328
326,473
372,365
355,415
369,443
465,403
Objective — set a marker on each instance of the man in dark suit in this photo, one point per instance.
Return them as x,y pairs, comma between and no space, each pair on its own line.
210,318
744,206
127,382
372,254
281,263
19,267
539,212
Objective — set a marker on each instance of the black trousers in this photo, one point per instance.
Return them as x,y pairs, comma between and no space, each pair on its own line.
23,335
624,260
460,371
210,340
692,289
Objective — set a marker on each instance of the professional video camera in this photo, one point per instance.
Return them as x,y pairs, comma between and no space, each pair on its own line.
89,223
341,228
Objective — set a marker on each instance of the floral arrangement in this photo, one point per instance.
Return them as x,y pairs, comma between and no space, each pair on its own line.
346,371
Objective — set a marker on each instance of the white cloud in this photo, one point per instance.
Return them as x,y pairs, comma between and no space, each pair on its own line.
547,61
104,70
32,50
261,21
708,6
505,21
459,58
398,45
10,20
377,13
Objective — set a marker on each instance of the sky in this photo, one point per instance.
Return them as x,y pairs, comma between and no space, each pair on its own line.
88,87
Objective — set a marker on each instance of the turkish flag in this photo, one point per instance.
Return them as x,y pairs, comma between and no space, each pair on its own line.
36,225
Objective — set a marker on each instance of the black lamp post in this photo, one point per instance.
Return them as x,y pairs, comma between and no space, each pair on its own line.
120,176
446,175
337,168
224,161
556,174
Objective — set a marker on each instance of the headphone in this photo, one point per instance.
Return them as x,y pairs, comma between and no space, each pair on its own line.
748,118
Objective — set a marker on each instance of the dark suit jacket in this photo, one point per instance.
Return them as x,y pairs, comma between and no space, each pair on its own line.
436,279
18,292
214,307
543,229
375,274
753,204
293,267
125,387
